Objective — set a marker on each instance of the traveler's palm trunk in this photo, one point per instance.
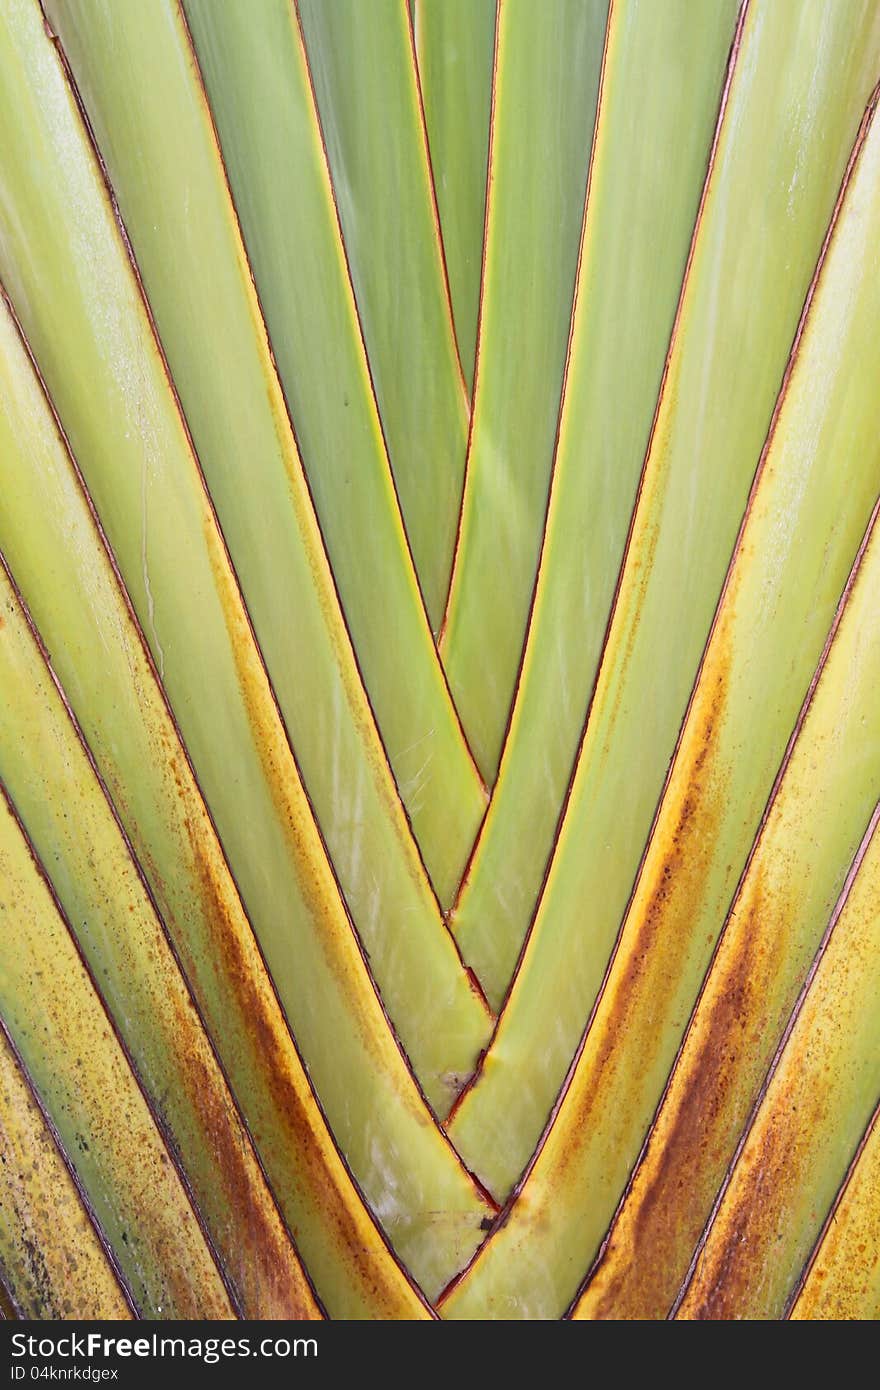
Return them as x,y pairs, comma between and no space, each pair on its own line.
439,653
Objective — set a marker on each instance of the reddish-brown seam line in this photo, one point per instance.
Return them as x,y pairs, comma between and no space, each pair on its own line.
777,1056
734,52
165,1137
477,352
199,78
148,657
369,371
432,188
225,549
169,941
559,422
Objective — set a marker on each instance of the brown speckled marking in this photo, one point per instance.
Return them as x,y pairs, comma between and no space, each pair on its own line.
642,975
728,1280
250,1236
743,1265
259,1256
643,1263
642,1260
652,949
53,1255
208,914
842,1279
293,1136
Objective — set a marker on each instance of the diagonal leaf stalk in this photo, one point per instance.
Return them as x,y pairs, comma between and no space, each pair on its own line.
795,874
802,527
84,307
58,553
364,75
52,1255
824,736
255,71
55,1017
54,542
739,313
538,161
196,273
842,1278
455,44
75,833
820,1095
661,82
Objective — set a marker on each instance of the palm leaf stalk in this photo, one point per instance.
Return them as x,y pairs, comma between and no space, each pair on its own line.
439,739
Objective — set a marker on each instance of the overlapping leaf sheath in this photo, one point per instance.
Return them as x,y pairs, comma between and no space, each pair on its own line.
75,834
56,551
765,212
661,85
843,1277
397,401
803,527
55,548
53,1259
66,269
820,1097
455,43
363,68
257,79
547,65
198,282
782,907
66,1040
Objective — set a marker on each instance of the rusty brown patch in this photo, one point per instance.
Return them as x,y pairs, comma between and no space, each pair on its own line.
712,1090
657,939
299,1159
257,1256
730,1277
221,960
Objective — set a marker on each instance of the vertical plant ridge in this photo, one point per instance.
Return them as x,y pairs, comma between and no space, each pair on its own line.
454,46
456,549
455,906
435,209
560,820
